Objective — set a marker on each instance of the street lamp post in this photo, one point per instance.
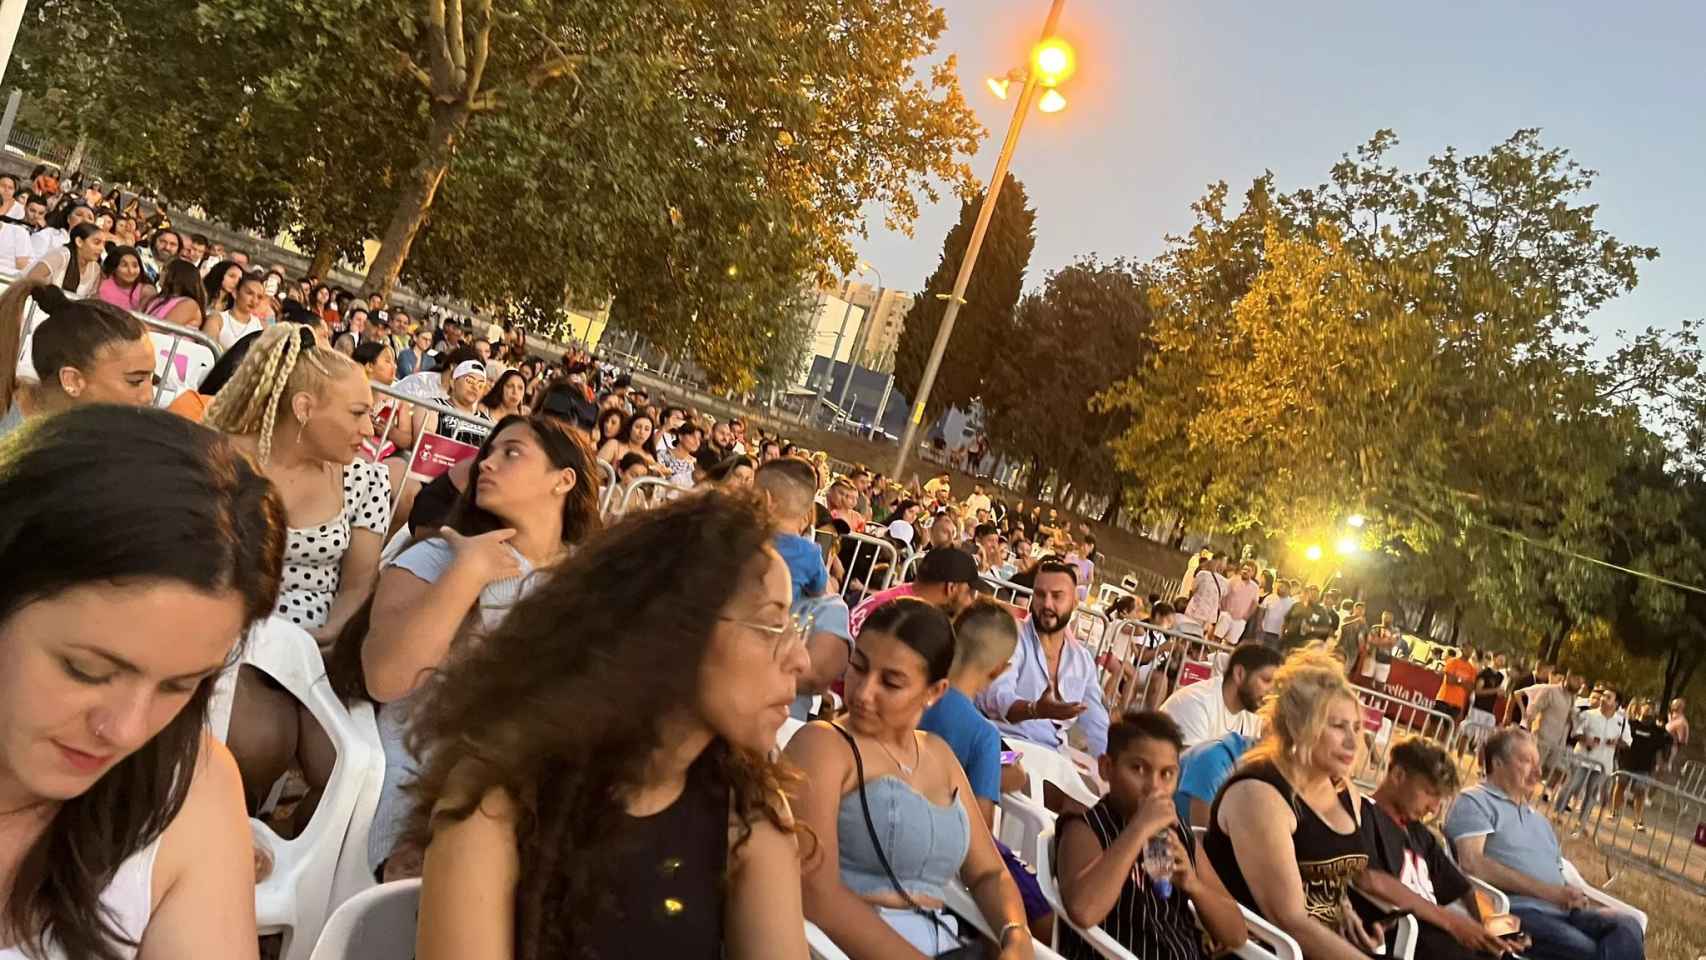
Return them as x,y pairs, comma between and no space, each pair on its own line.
1020,110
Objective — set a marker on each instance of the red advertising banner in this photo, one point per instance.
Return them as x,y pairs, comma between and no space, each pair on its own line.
1193,670
438,454
1415,684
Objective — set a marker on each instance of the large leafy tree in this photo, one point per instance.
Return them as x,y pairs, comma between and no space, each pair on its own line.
980,336
696,162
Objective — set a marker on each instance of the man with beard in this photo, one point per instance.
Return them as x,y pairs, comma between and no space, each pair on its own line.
1051,681
1207,710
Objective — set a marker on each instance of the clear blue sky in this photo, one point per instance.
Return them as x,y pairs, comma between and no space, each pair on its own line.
1172,96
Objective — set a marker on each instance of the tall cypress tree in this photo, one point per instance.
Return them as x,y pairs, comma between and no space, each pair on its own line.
991,298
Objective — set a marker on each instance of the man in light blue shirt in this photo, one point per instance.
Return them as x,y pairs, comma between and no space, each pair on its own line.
1051,683
1501,839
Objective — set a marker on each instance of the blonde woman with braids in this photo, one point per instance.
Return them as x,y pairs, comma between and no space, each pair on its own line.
1297,779
303,411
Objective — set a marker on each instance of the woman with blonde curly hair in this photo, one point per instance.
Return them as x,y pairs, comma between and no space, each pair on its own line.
302,412
597,779
1297,778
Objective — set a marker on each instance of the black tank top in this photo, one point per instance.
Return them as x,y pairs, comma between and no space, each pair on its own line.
667,876
1326,859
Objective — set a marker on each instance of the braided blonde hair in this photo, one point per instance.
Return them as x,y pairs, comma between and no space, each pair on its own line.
277,368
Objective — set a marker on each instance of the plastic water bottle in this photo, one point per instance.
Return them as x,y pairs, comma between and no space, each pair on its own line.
1158,864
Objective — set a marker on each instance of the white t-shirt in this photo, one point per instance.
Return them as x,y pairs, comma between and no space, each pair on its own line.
1200,711
1274,611
1609,731
16,243
230,331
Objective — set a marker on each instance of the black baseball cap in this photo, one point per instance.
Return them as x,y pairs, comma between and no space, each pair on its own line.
951,565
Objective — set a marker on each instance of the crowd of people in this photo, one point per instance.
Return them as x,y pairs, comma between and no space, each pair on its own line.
580,692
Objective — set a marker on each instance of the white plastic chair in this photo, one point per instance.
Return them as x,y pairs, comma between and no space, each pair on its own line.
958,899
1573,877
818,944
297,896
786,732
1275,943
376,924
1046,765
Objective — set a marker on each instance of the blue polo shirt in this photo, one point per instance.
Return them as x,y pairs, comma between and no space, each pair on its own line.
1203,769
1518,836
974,740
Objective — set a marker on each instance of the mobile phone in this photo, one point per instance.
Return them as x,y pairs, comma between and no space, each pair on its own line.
1009,757
1375,911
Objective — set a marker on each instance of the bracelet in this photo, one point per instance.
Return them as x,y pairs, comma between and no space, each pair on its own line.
1001,938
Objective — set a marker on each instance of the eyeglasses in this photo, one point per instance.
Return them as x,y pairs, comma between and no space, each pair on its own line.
785,636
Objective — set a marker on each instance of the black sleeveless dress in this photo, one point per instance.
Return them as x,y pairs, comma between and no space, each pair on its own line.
667,877
1326,859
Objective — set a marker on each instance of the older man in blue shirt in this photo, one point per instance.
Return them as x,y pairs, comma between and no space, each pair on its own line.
1051,682
1503,840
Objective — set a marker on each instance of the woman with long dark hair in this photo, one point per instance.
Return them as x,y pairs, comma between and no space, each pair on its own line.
181,299
533,495
581,799
507,397
76,266
636,437
82,351
220,285
243,317
123,283
123,821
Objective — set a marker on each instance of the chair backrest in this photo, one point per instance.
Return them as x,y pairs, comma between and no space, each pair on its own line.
786,732
296,898
1046,765
1573,877
818,945
376,924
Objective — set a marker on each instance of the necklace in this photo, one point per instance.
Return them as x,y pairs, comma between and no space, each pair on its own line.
917,754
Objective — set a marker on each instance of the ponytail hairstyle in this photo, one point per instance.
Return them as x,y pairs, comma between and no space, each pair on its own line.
73,333
73,270
285,361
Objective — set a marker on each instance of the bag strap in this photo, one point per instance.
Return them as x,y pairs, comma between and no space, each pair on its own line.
877,844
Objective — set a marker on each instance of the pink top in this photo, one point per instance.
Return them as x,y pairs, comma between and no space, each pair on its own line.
159,310
866,607
118,296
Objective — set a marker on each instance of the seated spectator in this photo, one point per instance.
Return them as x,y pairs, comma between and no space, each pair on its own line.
610,424
787,486
737,472
1284,832
946,579
1209,709
242,317
75,265
1501,839
1203,770
635,436
469,424
507,397
681,461
303,413
181,296
124,821
877,891
1052,682
536,495
83,351
840,500
985,635
1409,868
1104,867
828,643
123,284
562,765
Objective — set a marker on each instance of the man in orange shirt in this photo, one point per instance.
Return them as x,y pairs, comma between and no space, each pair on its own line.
1453,697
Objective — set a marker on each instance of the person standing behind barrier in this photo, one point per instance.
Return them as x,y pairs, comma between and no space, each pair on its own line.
1307,621
1208,590
1409,868
534,497
83,351
1274,611
1647,742
123,820
1284,833
1102,864
597,778
1599,734
1550,712
1676,726
1052,682
1238,605
1502,840
1457,680
1208,710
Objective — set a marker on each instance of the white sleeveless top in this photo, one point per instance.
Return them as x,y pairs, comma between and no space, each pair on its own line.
128,901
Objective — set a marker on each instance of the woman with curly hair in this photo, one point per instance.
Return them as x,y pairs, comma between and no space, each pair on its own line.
597,779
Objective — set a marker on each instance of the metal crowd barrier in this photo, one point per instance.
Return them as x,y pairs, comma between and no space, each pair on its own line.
881,564
607,485
647,492
1008,592
1673,847
1692,780
1385,719
383,429
1186,658
173,353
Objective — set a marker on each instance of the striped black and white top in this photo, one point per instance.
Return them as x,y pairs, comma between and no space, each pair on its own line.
1150,927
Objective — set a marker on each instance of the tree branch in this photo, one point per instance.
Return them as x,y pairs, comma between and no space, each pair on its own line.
438,49
455,43
481,23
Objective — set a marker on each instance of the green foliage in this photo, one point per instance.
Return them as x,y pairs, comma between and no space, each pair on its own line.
985,321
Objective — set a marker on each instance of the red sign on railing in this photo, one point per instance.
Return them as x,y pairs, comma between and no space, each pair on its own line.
1193,670
438,454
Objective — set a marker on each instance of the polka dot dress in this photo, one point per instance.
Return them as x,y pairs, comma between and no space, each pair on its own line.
313,555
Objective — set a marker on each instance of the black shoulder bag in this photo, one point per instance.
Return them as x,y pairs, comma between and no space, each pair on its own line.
974,950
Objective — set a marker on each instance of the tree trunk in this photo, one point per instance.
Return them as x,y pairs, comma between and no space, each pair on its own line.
1034,483
1456,621
1111,516
1425,626
448,122
325,254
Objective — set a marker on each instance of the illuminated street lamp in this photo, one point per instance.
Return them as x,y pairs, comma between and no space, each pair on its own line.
1052,61
1356,520
1313,553
1347,546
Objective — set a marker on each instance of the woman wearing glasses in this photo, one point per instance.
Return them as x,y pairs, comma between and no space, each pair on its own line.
597,779
532,495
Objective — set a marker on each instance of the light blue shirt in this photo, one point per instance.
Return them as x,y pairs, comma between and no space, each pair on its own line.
1518,836
1026,677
